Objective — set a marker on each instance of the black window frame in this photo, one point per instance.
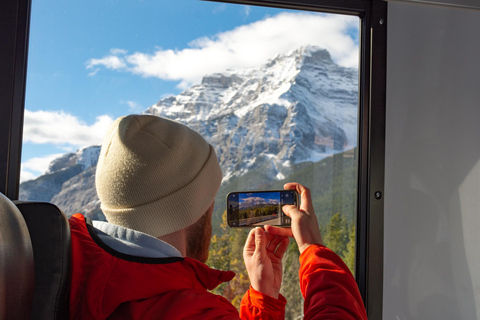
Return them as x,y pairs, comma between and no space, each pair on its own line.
14,31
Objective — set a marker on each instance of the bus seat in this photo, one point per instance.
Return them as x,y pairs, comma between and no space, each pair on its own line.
50,234
16,263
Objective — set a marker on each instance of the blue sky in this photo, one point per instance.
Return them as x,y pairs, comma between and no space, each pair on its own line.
93,61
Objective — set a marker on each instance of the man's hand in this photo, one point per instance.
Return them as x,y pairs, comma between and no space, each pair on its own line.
263,253
304,227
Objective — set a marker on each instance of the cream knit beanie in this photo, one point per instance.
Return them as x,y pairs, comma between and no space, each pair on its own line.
155,175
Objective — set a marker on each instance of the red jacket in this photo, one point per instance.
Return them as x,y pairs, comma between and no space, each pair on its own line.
329,289
109,284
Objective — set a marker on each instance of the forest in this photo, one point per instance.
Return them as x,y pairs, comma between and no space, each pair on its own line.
258,211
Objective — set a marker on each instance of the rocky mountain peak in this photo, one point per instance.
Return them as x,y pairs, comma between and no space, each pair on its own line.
302,56
315,55
298,107
85,157
222,80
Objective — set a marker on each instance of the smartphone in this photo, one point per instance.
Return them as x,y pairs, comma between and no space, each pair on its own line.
259,208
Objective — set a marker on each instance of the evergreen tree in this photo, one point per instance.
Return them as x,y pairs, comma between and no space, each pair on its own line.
237,287
226,253
219,255
349,256
336,237
291,285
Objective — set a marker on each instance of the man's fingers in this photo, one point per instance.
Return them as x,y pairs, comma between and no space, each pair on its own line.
284,232
304,193
278,246
250,242
291,211
306,199
260,241
282,248
270,237
274,242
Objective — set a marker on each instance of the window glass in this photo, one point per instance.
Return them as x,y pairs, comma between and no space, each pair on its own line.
274,91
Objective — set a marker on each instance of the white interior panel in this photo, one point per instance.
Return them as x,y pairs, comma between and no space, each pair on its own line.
432,179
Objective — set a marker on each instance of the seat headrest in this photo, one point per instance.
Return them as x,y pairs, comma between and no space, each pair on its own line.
51,241
16,263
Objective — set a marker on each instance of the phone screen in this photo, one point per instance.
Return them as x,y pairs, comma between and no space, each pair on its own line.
258,208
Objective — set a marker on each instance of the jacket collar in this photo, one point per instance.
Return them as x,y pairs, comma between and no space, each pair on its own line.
133,242
209,278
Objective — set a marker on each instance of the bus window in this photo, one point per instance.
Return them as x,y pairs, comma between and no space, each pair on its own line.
275,91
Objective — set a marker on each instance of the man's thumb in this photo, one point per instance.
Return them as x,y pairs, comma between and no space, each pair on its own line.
260,240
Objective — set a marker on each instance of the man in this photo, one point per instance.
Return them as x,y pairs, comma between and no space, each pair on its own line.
157,180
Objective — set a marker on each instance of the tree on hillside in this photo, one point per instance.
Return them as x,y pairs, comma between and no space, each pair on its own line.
349,256
340,238
219,253
336,237
226,253
291,284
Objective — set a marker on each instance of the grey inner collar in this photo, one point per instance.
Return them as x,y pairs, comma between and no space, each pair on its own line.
133,242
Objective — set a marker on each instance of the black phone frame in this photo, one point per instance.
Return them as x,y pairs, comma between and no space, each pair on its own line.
297,201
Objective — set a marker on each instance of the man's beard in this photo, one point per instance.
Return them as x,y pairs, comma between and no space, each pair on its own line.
198,239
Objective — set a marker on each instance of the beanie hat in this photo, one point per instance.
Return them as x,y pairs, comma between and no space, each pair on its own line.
155,175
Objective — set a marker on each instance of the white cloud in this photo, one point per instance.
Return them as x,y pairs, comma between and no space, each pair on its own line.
118,51
245,46
34,167
110,62
40,164
94,72
26,175
63,129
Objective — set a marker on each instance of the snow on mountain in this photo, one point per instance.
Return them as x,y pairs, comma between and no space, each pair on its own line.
297,107
84,157
255,201
69,183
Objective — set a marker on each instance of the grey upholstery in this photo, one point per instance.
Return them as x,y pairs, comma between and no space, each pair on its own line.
16,263
50,234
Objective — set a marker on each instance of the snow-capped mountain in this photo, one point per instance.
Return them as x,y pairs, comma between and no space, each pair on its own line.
255,201
84,157
298,107
69,183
